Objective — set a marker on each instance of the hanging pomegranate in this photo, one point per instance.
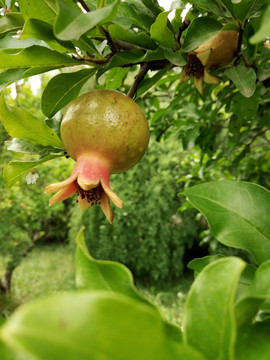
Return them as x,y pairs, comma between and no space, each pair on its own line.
105,132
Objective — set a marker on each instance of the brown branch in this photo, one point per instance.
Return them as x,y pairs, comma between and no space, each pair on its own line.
112,45
92,60
138,79
183,27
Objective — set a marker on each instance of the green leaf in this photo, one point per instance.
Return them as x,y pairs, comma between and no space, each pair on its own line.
20,123
9,42
115,77
207,5
132,37
197,265
209,321
71,24
34,28
62,89
242,9
161,33
147,84
251,300
245,108
14,170
92,274
140,19
176,57
35,56
96,325
243,78
200,30
264,30
237,213
253,342
10,22
44,10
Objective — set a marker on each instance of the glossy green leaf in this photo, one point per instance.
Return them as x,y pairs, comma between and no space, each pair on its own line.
92,274
176,57
130,36
207,5
14,170
115,77
9,42
10,22
72,24
227,4
250,301
34,56
237,213
92,326
147,84
209,321
198,264
139,18
245,108
62,89
161,33
20,123
264,30
243,78
253,342
200,30
241,9
44,10
34,28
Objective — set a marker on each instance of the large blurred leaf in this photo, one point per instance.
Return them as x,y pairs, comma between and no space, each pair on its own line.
34,56
10,22
20,123
72,24
14,170
249,303
161,33
264,30
92,274
209,321
237,213
62,89
253,342
200,30
243,78
139,39
92,326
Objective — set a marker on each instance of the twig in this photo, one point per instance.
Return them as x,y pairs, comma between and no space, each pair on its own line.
183,27
138,79
110,41
84,5
93,60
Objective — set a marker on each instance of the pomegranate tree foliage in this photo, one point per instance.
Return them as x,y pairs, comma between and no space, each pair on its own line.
227,311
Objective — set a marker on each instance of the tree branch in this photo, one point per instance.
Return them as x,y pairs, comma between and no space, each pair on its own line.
183,27
138,79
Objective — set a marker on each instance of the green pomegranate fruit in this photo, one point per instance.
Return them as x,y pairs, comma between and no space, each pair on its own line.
105,132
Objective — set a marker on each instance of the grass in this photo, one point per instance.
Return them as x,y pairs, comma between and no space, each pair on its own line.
50,269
